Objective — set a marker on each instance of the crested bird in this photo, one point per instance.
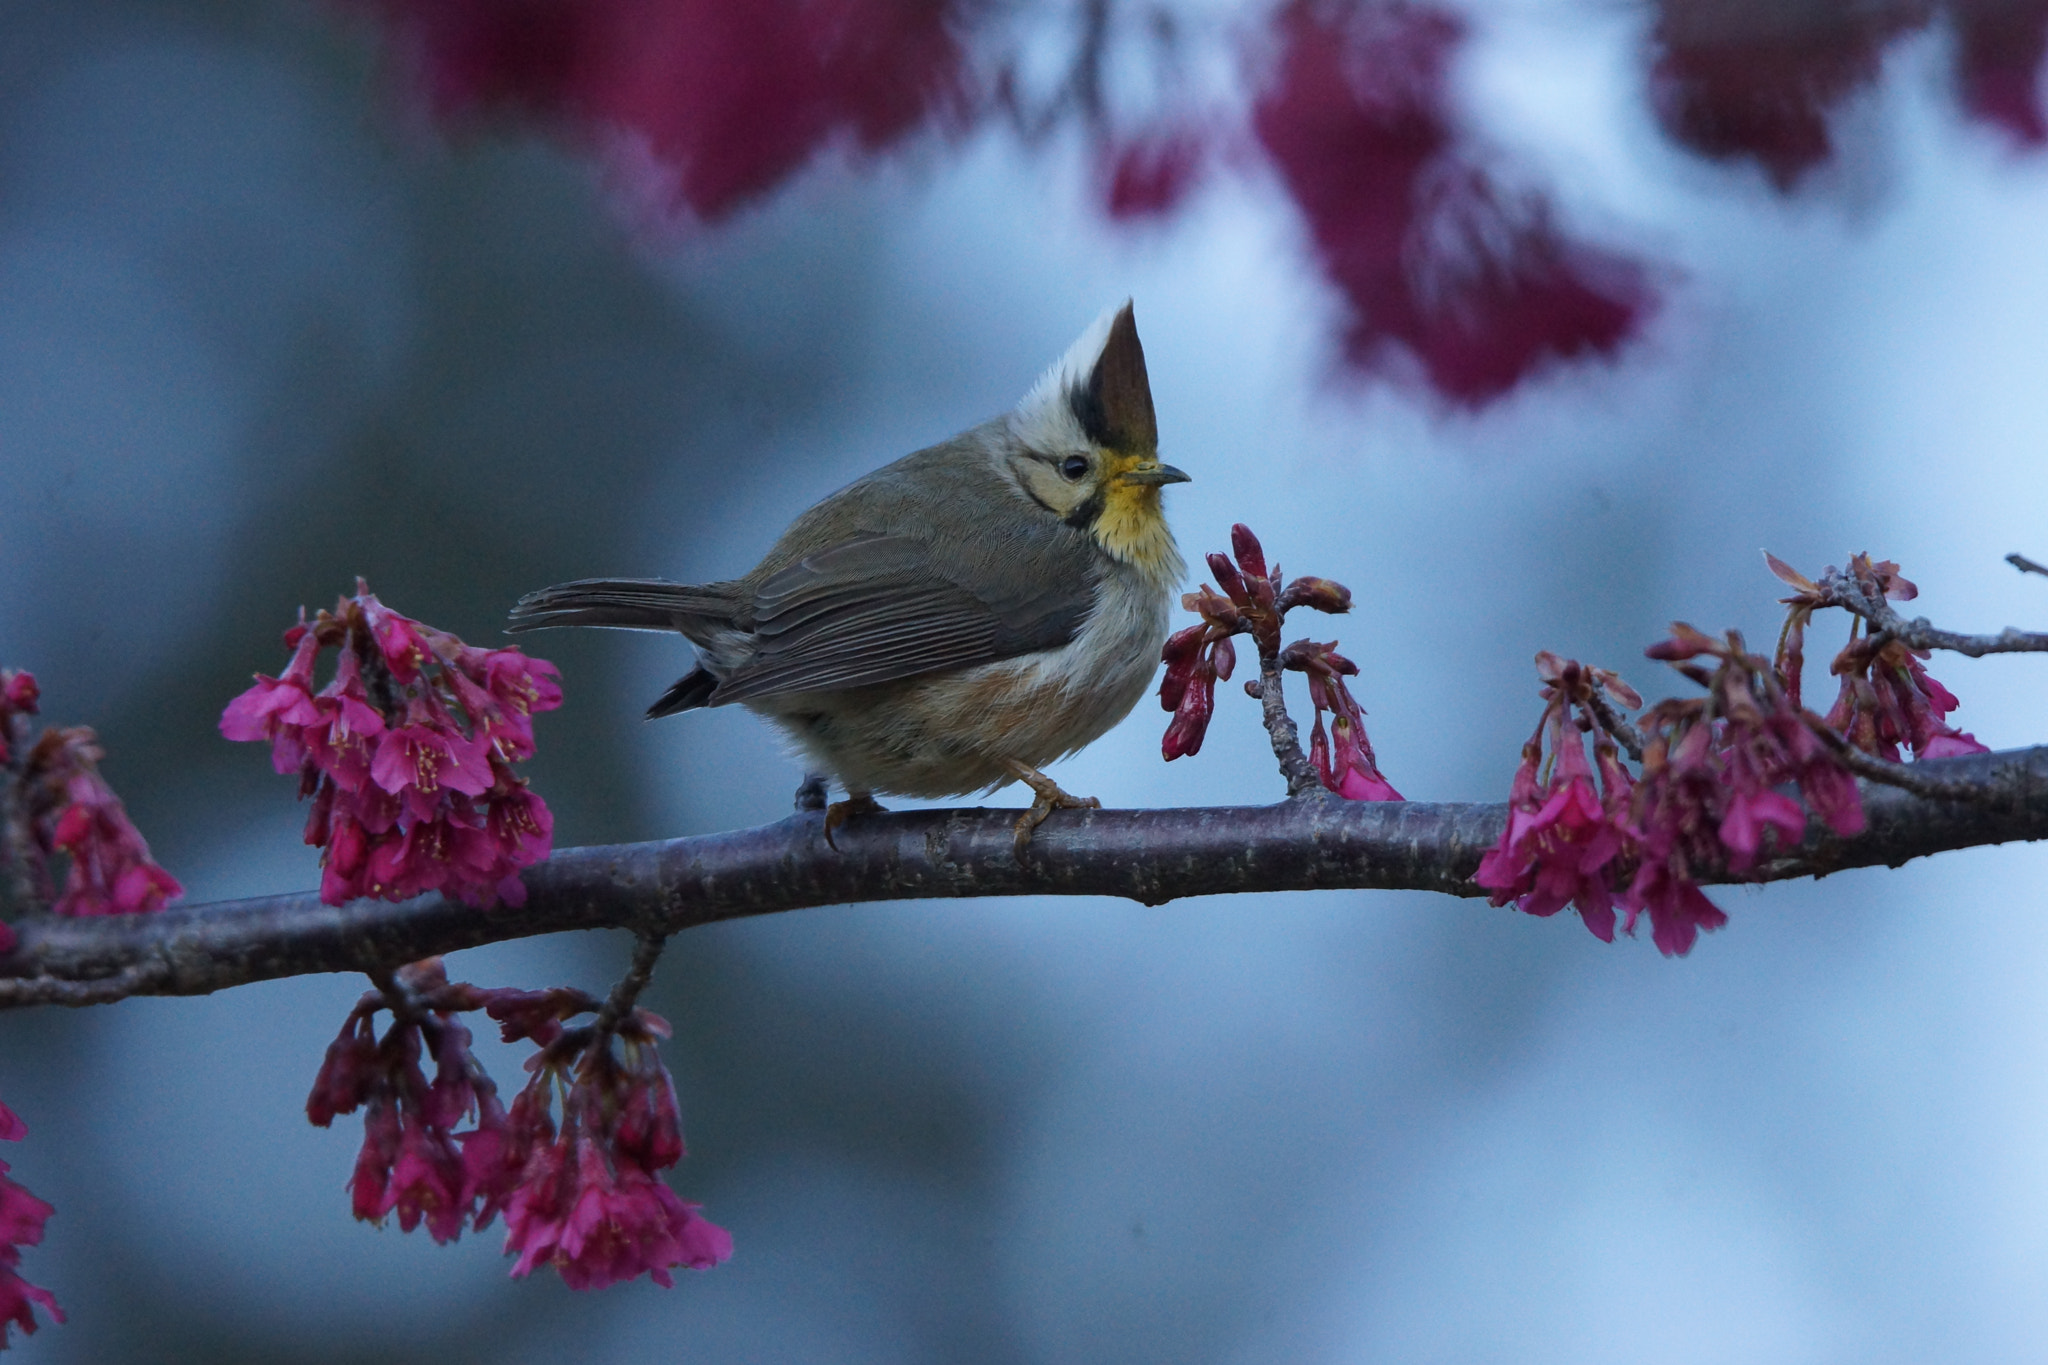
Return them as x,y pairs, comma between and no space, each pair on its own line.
953,621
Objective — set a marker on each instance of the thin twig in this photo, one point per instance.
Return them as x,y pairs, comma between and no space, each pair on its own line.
2025,565
1299,773
646,952
21,859
1904,776
1842,590
1614,723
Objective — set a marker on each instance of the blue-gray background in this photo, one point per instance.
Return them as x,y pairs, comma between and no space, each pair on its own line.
258,335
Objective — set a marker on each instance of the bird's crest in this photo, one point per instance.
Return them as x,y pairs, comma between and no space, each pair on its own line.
1096,394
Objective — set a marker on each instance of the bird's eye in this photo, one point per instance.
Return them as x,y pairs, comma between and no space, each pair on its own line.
1074,466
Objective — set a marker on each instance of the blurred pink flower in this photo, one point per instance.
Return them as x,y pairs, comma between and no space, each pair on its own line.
701,104
1999,49
1761,82
1149,175
1436,260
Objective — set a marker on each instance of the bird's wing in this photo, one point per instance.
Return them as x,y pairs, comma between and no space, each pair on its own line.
877,608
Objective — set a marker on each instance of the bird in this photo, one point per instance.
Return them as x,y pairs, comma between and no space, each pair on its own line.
954,621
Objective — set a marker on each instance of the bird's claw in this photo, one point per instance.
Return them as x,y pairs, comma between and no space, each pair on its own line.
839,812
1049,798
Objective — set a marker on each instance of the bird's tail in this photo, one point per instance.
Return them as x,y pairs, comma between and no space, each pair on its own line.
626,603
688,692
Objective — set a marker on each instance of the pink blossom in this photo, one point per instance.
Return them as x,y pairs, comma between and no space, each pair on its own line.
522,824
1149,175
1999,49
597,1227
705,104
1763,83
277,705
1763,87
22,1217
111,871
1561,842
580,1195
412,1161
427,1183
1344,761
408,755
1440,266
1679,911
424,758
1948,743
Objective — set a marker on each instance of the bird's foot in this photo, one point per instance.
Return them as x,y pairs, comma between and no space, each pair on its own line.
1049,799
811,794
839,812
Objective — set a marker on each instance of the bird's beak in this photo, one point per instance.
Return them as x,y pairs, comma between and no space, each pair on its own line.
1152,475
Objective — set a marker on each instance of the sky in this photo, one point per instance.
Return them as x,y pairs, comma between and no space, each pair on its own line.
261,331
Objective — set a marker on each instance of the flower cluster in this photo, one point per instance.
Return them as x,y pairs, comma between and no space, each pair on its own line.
1565,838
407,754
1446,269
412,1162
1717,770
580,1194
697,105
1344,758
1887,697
54,801
22,1216
1254,602
1731,82
1712,767
578,1161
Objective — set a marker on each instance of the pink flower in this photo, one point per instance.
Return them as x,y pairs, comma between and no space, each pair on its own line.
22,1216
597,1227
705,104
412,1161
421,759
427,1183
1562,841
276,706
407,755
1999,48
1148,176
111,871
522,825
1344,760
1947,743
1443,270
398,637
1194,662
1750,768
581,1196
1763,86
1679,911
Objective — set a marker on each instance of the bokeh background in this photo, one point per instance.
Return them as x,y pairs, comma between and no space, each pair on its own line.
270,318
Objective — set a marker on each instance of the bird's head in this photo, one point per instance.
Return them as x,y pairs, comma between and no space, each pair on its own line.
1088,447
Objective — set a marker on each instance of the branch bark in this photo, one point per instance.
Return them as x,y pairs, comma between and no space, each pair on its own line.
1153,856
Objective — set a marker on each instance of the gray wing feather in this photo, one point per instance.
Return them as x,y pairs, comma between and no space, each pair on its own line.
885,607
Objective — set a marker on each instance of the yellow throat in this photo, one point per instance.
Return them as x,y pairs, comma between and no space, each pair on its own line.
1132,525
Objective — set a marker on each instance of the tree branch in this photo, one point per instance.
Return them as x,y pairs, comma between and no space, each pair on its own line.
1842,590
1146,855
